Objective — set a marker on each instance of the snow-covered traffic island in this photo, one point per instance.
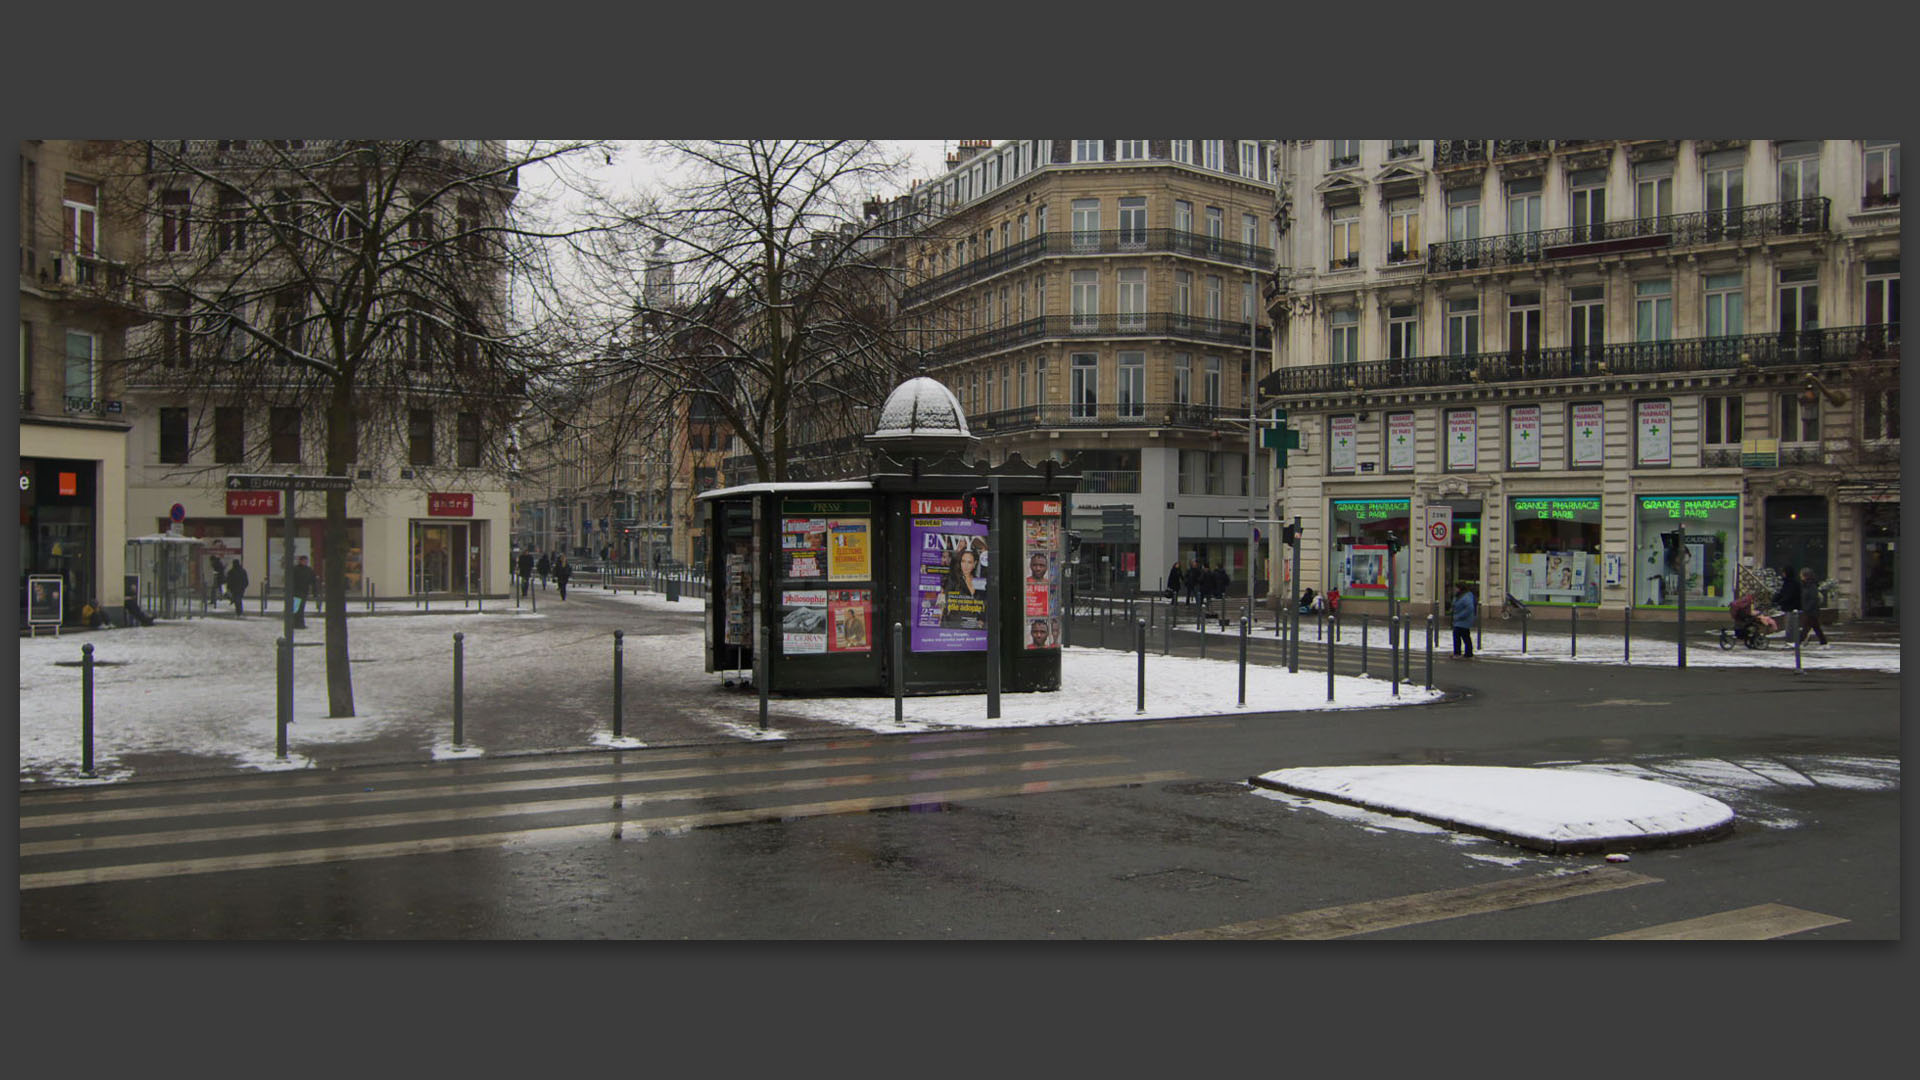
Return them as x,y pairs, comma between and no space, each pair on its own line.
1558,811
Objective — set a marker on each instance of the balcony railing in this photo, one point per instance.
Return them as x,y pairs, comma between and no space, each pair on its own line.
1109,481
1513,147
1797,217
1341,161
1395,153
1152,324
1101,242
1459,151
1838,345
1105,414
90,406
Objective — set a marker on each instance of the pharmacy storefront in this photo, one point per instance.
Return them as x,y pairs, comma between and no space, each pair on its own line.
1361,528
1553,552
1708,557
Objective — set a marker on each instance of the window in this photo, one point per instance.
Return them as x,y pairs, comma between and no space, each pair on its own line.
349,222
1182,150
1211,151
1086,299
176,331
1006,235
469,439
1653,192
1182,378
1006,386
1880,413
289,322
1653,310
229,435
1250,232
1083,387
1343,238
1711,525
1133,222
1554,552
1523,206
1343,335
1130,394
1086,224
417,340
1799,301
1246,301
1342,153
1040,218
230,228
283,431
1210,388
1250,159
1183,292
1799,171
1463,214
1403,230
1587,321
1725,190
1216,228
1463,326
1086,150
1024,228
80,369
1799,418
1133,299
1360,567
173,436
1523,325
420,436
1182,216
80,213
1022,383
1587,204
1214,297
1040,380
176,221
1131,149
1006,309
1403,331
1880,165
1883,292
1402,148
1724,294
1722,419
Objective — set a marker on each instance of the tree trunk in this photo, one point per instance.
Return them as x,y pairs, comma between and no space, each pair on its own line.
339,674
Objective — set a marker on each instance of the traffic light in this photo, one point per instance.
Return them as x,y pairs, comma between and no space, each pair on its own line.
1290,533
1073,546
1393,544
978,505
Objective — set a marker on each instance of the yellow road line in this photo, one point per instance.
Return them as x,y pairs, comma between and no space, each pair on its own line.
1368,916
1758,923
312,856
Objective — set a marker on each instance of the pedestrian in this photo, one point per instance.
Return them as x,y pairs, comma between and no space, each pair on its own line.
1462,622
1787,597
545,568
216,578
299,591
1173,580
237,586
1333,601
1221,582
526,571
1192,580
1810,606
561,572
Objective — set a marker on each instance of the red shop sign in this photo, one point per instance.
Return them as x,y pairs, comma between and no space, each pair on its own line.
253,502
449,504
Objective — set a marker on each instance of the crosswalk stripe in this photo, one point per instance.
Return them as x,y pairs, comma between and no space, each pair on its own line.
1368,916
606,774
628,800
672,822
1758,923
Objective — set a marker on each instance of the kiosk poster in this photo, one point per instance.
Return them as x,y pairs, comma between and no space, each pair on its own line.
803,547
949,572
850,619
849,550
43,599
803,622
1040,586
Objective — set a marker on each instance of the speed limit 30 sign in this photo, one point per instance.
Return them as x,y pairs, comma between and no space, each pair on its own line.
1439,526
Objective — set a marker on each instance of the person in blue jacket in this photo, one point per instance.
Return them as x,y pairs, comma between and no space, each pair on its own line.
1462,622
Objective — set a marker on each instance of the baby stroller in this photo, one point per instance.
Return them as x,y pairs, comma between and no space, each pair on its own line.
1749,627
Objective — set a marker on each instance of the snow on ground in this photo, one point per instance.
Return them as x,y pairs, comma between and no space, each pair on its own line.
1603,644
1543,809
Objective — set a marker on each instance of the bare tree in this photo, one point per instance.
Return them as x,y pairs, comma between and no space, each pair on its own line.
348,277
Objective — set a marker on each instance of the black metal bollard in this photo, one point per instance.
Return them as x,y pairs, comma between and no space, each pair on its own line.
1393,650
899,671
1626,641
1243,660
1330,631
1140,680
86,710
1166,633
1103,619
619,673
283,695
1365,632
1203,633
1793,627
459,690
1429,652
1406,645
1573,639
1523,632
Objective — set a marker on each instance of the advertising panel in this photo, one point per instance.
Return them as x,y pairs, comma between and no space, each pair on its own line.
849,549
949,572
803,548
1523,436
1463,435
1655,424
803,622
1040,587
850,615
1400,442
1588,437
1343,438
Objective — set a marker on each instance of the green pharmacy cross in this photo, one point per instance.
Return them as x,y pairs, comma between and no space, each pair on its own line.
1468,530
1462,436
1526,434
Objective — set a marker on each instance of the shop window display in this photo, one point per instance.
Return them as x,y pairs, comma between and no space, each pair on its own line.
1361,528
1554,553
1712,536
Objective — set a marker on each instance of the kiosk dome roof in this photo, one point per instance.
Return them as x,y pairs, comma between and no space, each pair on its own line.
921,406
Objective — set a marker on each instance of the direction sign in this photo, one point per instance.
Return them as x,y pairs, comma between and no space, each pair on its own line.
278,482
1439,525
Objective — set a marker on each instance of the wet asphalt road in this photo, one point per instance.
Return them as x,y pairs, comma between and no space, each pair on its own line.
1107,831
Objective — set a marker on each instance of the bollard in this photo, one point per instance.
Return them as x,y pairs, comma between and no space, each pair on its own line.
1330,629
1406,645
1203,633
1140,680
1429,652
1103,619
1573,639
763,669
899,674
1793,627
86,710
1166,634
283,695
1523,633
1393,650
1243,661
1365,632
1626,641
619,670
459,690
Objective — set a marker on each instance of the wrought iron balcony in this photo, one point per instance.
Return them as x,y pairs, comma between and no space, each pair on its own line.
1798,217
1459,151
1101,242
1395,153
1724,457
1513,147
1105,414
1153,324
1347,263
1838,345
1873,200
1342,161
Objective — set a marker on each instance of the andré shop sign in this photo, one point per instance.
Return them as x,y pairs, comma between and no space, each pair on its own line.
449,504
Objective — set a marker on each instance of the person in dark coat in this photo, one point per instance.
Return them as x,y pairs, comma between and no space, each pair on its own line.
237,586
545,568
526,571
1787,598
216,578
300,590
1174,580
1221,581
1192,580
561,572
1462,621
1810,606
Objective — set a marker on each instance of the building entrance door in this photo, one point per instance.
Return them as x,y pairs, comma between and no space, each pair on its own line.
1880,561
1797,533
440,557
